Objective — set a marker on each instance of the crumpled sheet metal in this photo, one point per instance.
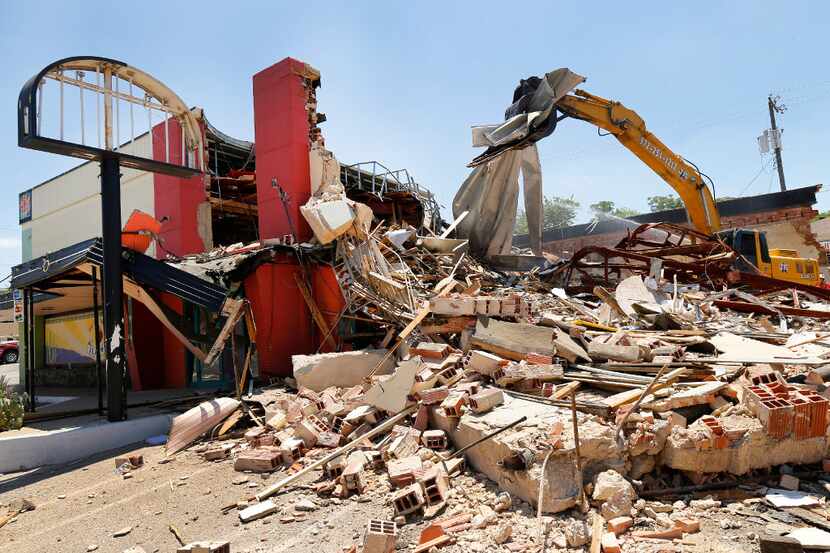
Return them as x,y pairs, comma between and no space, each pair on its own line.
551,89
490,193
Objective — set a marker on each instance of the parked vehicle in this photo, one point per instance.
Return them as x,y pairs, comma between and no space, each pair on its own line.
9,351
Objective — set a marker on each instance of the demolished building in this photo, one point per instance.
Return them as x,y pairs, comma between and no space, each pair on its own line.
244,209
416,361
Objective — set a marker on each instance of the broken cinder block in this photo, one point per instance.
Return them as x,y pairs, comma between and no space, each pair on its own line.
258,460
292,450
486,400
452,405
402,471
408,499
435,484
353,479
431,350
309,430
380,536
434,439
206,547
484,362
433,396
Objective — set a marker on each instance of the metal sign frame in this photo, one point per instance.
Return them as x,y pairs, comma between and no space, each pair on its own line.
158,97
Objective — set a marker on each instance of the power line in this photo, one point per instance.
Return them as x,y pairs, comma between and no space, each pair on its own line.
764,166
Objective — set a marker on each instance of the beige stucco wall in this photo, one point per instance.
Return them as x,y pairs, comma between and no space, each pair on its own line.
821,229
67,209
784,235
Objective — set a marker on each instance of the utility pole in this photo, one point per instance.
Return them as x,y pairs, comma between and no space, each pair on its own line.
773,108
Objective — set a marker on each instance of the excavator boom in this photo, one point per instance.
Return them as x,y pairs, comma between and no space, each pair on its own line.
630,130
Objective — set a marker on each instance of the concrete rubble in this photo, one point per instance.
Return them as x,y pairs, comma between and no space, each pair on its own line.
481,374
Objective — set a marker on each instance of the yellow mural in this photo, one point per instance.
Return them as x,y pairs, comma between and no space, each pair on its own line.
70,339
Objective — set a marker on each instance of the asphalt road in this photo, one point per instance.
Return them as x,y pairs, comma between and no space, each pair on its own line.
11,374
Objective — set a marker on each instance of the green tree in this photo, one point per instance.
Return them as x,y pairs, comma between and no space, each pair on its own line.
556,212
663,203
607,207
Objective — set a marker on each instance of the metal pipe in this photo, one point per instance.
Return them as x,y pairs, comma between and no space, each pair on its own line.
97,338
80,75
166,140
98,105
132,119
113,287
485,438
30,348
117,141
61,110
40,106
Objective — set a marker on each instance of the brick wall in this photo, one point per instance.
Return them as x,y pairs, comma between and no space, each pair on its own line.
798,217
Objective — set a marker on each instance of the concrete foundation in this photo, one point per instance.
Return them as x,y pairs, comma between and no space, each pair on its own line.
27,451
597,446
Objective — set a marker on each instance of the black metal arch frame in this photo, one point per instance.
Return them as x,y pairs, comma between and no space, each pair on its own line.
28,137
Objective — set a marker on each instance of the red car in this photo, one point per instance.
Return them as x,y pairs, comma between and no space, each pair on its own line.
9,351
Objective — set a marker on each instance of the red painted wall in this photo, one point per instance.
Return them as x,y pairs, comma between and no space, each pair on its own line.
174,352
176,198
281,128
283,322
329,300
148,335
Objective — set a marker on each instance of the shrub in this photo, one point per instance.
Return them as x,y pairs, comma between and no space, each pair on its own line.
11,407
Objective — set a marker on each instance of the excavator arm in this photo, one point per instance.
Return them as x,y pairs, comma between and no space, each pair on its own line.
630,129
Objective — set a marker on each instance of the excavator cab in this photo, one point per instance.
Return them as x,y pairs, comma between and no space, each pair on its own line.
752,247
756,256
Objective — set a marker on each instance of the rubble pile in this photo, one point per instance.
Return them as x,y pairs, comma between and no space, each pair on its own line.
583,404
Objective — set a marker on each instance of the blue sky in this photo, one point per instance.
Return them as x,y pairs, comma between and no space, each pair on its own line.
403,82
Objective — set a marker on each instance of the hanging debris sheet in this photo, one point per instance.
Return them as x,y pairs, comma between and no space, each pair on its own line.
491,191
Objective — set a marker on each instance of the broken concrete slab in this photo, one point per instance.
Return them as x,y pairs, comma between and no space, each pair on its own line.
746,350
391,391
513,340
567,347
343,369
812,538
632,291
750,447
597,445
328,220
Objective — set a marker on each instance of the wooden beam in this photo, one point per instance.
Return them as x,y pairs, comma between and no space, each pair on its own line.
138,293
315,311
233,313
233,206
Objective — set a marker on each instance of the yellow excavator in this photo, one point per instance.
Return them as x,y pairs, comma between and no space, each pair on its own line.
630,129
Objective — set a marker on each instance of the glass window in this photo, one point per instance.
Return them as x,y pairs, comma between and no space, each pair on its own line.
747,245
764,248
